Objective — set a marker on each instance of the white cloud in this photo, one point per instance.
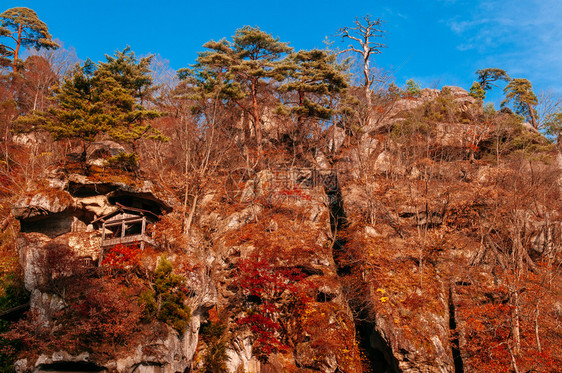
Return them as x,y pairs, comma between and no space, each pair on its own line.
522,37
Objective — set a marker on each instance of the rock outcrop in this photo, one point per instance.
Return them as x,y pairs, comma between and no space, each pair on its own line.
383,254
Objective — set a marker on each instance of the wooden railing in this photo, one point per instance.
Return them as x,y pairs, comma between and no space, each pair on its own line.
126,240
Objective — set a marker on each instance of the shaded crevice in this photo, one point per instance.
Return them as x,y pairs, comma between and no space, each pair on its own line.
374,346
455,346
71,366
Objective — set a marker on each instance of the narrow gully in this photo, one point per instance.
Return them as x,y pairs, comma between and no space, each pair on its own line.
377,350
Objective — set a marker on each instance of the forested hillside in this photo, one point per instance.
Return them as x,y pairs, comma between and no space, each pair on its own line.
267,209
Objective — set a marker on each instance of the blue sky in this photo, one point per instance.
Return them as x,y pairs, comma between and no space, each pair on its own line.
435,42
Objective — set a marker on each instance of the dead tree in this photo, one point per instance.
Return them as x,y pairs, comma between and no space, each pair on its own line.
366,33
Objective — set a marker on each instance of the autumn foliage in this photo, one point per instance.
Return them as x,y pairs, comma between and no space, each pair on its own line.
122,257
267,291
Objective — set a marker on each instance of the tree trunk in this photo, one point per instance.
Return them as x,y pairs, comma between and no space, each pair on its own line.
256,120
533,116
515,328
256,116
191,214
513,361
17,51
367,84
537,336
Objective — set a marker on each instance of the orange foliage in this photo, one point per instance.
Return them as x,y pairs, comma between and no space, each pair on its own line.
121,257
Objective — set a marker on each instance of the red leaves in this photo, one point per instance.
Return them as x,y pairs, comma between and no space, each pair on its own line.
270,285
267,332
102,313
488,326
121,257
295,192
263,279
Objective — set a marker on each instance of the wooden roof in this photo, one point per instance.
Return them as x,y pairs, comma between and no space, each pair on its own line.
125,209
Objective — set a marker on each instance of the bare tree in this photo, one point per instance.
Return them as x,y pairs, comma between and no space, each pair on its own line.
549,106
366,33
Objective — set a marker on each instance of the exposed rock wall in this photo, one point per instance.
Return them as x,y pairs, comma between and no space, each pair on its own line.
373,272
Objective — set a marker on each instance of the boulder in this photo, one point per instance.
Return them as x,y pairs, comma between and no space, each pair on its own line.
99,151
456,92
30,247
42,204
98,205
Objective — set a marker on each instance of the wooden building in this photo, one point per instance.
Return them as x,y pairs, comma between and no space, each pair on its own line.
125,226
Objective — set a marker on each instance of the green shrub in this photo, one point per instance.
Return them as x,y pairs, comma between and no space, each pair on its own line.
7,353
413,88
12,294
166,302
124,161
477,92
215,358
12,291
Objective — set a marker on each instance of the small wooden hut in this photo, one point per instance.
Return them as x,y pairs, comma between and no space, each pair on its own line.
126,225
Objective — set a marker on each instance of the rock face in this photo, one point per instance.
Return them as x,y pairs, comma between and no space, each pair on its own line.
99,151
59,216
381,266
71,202
304,246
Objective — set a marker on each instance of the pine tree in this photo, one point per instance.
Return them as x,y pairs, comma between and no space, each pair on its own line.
26,30
314,82
125,85
477,92
130,73
99,99
520,91
245,67
487,76
77,114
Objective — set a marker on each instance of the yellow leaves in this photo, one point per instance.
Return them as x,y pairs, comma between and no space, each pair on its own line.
383,297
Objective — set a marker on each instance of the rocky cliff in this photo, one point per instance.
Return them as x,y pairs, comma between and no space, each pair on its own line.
427,242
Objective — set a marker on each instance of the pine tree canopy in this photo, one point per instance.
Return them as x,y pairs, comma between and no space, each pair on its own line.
487,76
314,78
24,27
97,99
477,92
520,91
238,70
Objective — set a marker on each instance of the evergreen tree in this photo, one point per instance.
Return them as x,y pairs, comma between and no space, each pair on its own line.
130,73
520,91
413,88
314,82
125,85
77,114
99,99
487,76
477,92
26,30
245,67
166,299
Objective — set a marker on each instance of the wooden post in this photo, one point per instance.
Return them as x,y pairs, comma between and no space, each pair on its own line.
143,228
